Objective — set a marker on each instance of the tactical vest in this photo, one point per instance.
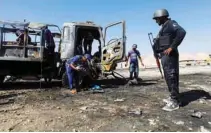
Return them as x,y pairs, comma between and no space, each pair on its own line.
163,42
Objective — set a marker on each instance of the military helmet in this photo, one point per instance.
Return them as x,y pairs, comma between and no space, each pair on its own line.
160,13
134,46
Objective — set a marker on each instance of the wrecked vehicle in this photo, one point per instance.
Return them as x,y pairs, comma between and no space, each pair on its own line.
23,51
31,58
111,50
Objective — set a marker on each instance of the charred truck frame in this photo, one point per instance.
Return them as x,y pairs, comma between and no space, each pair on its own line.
31,58
26,57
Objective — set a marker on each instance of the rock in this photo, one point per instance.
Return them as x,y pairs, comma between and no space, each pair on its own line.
119,100
197,115
190,129
74,130
209,123
152,122
58,107
10,129
136,112
134,127
84,108
203,129
179,122
202,101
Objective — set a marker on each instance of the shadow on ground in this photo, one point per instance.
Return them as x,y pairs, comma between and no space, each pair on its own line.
111,83
29,85
193,95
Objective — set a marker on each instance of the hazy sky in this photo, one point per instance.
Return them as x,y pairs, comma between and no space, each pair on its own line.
193,15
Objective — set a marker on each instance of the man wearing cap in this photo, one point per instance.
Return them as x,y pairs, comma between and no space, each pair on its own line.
134,54
73,66
169,38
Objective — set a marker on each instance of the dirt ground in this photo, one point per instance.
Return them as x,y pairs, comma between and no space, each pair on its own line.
24,106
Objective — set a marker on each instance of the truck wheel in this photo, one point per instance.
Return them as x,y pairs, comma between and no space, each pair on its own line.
65,81
2,79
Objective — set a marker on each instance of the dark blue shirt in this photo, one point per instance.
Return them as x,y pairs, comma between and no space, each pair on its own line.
134,55
76,60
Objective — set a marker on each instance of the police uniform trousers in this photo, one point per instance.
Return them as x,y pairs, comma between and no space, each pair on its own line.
134,68
72,77
170,64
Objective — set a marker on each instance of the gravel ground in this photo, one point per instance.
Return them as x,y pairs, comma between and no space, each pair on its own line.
24,106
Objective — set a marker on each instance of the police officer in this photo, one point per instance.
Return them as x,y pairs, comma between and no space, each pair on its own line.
73,65
169,38
134,54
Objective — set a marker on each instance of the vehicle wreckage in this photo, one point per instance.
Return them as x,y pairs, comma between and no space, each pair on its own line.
31,58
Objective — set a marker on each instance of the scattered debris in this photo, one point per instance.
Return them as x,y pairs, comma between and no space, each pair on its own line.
84,108
136,112
74,130
203,129
179,122
202,101
197,114
119,100
152,122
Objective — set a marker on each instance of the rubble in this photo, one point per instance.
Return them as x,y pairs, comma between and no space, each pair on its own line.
197,115
123,108
203,129
179,122
119,100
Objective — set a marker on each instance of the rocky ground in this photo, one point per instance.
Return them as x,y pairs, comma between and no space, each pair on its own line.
122,107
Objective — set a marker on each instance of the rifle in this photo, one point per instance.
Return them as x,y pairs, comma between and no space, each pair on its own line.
155,54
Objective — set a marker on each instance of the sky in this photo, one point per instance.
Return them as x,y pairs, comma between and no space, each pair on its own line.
193,15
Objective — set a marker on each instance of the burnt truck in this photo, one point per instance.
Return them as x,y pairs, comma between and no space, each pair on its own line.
31,57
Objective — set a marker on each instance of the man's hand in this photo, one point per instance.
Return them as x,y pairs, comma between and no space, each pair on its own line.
142,63
168,51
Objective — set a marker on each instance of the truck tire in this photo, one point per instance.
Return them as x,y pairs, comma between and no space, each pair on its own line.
64,80
65,83
2,79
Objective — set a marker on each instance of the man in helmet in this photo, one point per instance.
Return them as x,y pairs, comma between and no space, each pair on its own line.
134,54
169,38
74,65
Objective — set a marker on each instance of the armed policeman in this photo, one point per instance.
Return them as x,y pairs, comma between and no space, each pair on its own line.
169,38
73,66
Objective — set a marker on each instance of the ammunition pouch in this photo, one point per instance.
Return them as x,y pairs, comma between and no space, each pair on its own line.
163,43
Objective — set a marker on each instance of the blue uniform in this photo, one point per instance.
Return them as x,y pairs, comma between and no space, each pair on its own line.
71,73
170,63
134,64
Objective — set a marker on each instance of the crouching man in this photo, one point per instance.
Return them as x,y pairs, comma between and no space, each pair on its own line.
73,66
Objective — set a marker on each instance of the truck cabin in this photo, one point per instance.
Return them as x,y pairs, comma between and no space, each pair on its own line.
87,39
24,40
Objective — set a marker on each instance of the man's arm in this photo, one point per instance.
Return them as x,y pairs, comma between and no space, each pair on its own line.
140,59
179,33
127,58
73,62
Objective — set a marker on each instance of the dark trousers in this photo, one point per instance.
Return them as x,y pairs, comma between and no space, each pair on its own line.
88,46
170,66
134,68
